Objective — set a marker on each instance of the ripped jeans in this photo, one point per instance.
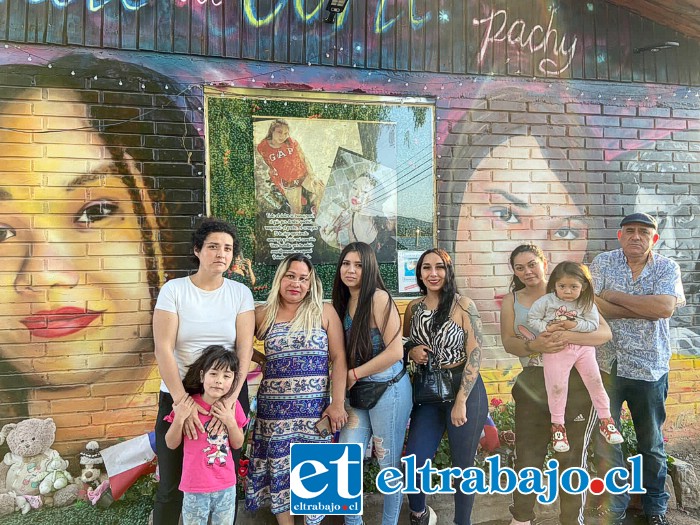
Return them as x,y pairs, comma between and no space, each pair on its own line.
386,424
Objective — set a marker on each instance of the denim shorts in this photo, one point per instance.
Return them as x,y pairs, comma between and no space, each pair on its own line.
197,507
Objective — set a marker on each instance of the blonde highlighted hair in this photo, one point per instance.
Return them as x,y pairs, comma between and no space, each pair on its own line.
310,313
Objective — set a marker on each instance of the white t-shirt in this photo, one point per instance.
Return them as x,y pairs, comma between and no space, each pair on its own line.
204,317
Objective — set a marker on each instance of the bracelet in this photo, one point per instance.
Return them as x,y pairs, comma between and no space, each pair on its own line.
354,374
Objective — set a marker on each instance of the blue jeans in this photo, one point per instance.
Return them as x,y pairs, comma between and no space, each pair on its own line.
646,403
428,424
386,424
220,505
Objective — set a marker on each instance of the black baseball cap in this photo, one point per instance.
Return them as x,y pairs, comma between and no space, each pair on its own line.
641,218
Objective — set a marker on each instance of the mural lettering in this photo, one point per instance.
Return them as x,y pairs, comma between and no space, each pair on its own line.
537,39
96,5
299,8
252,16
382,23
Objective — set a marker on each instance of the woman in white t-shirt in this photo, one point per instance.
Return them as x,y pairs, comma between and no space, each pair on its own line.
192,313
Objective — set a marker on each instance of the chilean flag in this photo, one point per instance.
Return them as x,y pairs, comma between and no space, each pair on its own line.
489,436
127,461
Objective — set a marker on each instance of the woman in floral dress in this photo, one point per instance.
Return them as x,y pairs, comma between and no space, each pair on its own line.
302,338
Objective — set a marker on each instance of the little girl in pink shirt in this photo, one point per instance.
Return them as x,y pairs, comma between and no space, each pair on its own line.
208,471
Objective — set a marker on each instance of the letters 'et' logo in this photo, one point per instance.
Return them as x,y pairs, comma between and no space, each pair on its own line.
326,478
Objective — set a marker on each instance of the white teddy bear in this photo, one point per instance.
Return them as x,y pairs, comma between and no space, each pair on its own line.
32,471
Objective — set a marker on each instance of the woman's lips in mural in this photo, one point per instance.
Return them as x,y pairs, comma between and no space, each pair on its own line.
60,322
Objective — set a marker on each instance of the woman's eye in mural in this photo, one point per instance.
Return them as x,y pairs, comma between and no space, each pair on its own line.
566,234
95,211
6,232
505,214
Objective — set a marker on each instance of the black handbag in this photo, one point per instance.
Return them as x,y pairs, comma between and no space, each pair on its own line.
432,384
366,394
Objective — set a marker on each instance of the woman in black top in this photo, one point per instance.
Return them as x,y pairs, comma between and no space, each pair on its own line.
447,327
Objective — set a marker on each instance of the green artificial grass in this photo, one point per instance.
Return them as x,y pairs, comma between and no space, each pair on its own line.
133,508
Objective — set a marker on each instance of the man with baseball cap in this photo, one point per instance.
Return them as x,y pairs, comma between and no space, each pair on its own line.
637,292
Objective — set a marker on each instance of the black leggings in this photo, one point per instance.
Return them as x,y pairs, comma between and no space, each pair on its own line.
168,503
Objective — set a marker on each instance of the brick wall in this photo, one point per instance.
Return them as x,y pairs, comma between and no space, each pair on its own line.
97,221
523,162
93,224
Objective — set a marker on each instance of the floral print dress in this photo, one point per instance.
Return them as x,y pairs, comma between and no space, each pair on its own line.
293,394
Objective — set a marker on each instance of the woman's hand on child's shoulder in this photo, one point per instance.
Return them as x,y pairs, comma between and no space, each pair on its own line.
183,409
225,414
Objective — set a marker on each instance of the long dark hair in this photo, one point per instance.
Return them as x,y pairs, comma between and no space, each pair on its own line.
216,357
579,272
449,288
516,284
358,343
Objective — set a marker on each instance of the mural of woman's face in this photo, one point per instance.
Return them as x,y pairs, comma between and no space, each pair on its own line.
679,222
74,294
514,198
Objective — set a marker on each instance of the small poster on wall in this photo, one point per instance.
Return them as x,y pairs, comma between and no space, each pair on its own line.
408,266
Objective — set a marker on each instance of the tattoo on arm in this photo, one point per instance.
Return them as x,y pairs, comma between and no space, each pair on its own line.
471,369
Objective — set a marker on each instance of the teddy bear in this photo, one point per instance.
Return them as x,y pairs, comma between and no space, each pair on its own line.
32,471
95,482
91,461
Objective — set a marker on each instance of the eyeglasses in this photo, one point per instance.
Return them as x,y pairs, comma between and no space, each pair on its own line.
293,279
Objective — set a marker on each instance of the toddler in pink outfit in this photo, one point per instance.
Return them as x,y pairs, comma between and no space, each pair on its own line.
569,305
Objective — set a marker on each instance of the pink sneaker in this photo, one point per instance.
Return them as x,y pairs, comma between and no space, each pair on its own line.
610,432
559,441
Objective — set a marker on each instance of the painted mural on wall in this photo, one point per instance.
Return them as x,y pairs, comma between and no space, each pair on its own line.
90,226
545,39
102,180
543,173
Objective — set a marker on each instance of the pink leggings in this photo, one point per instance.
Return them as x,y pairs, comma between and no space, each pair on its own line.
556,380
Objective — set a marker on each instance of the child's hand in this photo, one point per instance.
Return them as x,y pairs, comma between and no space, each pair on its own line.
183,410
225,414
555,326
569,324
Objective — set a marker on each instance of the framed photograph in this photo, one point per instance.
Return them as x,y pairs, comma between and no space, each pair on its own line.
312,172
